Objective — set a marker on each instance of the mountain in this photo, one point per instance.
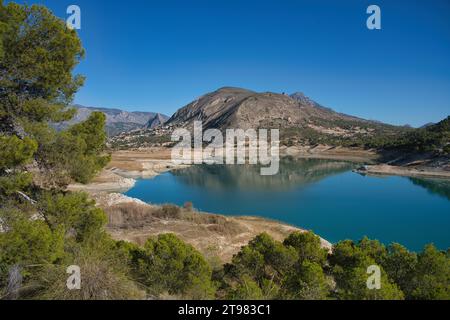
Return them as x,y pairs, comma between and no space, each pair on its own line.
158,120
117,121
433,138
304,100
301,98
239,108
426,125
296,115
300,119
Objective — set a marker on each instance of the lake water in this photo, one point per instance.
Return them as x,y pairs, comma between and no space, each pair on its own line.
320,195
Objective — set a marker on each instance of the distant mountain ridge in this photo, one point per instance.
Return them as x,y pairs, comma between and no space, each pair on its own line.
301,120
157,120
117,121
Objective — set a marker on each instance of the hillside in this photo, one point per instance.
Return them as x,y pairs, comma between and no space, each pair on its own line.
301,120
117,121
239,108
429,138
423,149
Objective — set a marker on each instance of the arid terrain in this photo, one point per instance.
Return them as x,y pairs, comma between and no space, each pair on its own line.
406,171
216,236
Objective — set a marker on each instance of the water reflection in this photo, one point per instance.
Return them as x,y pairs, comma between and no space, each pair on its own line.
292,173
320,195
435,186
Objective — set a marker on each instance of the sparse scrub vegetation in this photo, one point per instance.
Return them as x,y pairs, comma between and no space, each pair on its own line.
434,138
168,211
134,215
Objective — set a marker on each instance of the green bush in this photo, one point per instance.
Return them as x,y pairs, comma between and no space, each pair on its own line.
308,246
167,265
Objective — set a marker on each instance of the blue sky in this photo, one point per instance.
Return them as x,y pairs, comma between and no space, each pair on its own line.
160,55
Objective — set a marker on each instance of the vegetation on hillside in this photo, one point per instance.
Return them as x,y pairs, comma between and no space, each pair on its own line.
338,132
44,229
434,138
299,268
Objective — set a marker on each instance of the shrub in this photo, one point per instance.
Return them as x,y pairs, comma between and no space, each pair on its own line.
104,276
308,246
188,206
168,211
167,264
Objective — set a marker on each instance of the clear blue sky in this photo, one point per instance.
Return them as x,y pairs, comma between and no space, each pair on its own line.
160,55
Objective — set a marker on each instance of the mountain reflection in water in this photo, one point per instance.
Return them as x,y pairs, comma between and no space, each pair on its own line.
293,173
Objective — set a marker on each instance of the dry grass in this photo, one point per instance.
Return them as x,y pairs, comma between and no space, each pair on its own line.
102,278
217,237
131,160
134,215
129,215
168,211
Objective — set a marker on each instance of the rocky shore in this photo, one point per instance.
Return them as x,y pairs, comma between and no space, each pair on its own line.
385,169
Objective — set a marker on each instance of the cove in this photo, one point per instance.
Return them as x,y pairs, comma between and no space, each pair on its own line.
320,195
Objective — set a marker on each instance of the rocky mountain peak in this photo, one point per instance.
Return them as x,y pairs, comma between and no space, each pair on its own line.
117,121
156,121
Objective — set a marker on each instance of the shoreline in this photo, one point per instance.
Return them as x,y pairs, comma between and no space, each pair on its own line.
216,236
127,166
121,174
331,153
389,170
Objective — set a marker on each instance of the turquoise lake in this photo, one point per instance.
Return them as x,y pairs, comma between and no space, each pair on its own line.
320,195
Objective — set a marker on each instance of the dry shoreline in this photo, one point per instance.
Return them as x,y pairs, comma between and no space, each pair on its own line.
331,153
128,165
370,158
217,237
385,169
209,237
